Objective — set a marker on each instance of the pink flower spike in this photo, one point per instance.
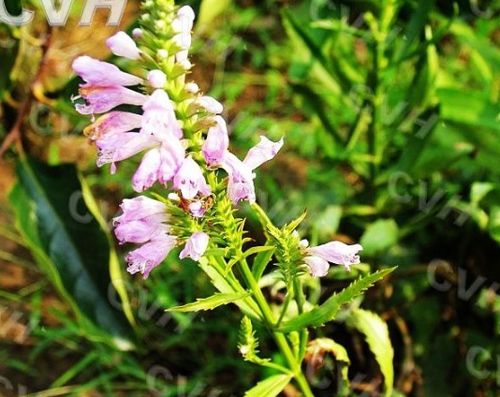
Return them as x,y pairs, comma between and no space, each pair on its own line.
190,181
264,151
102,74
103,99
159,117
157,79
112,123
318,267
195,246
210,104
150,255
122,45
338,253
216,143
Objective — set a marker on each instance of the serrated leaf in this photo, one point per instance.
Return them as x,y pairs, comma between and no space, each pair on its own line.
59,229
328,310
269,387
377,336
211,302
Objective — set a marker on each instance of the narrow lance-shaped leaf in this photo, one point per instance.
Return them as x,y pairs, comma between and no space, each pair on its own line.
269,387
260,262
329,309
210,303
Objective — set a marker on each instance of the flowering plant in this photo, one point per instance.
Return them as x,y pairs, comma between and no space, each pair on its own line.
184,142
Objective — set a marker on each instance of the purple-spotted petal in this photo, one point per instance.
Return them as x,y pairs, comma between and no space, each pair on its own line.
189,180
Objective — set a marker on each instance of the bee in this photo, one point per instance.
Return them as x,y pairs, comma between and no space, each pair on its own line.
206,203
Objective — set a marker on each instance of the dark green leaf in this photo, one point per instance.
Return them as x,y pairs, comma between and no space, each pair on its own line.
67,240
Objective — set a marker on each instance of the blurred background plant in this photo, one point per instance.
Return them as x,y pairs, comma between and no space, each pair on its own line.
390,115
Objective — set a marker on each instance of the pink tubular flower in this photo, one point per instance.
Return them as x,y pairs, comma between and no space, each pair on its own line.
144,222
195,246
264,151
140,207
217,143
190,181
121,44
159,165
159,117
335,252
122,145
112,123
150,255
102,74
103,99
240,186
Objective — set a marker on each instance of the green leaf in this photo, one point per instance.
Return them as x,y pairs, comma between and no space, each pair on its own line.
261,261
269,387
377,336
68,243
470,108
210,303
379,236
329,309
222,284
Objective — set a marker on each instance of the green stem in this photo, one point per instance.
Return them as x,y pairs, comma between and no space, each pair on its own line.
280,339
300,299
288,298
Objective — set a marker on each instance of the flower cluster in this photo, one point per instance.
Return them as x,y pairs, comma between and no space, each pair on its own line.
182,137
137,115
